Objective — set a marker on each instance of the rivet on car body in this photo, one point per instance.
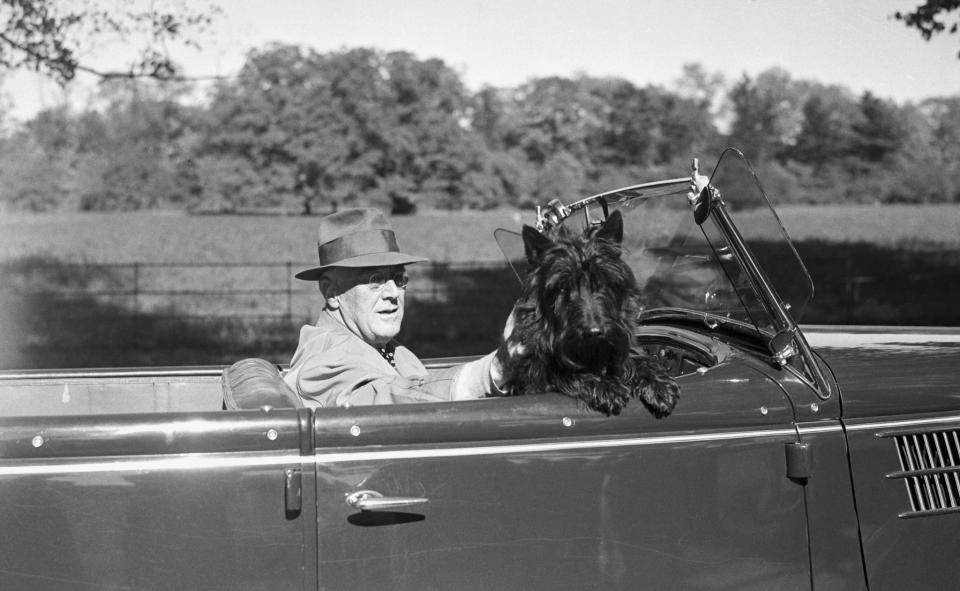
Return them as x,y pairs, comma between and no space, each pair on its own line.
815,407
37,441
567,422
355,430
272,434
702,370
764,410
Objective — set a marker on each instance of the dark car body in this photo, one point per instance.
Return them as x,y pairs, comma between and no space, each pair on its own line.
797,458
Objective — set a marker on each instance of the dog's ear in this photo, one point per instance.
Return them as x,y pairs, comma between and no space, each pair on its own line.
534,244
612,229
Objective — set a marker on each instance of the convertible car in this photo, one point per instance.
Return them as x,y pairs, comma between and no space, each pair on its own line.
797,458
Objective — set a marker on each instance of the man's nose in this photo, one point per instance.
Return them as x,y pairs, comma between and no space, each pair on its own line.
391,290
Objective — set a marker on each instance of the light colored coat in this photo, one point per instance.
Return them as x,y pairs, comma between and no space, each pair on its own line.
334,367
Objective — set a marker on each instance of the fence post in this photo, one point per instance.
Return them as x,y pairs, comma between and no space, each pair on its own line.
136,290
289,291
136,303
851,288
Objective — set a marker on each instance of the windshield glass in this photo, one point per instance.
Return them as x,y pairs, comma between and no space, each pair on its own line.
761,229
682,266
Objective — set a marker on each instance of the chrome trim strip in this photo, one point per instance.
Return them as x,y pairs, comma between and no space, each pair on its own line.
810,430
184,462
522,448
928,513
879,338
211,461
900,474
903,423
80,374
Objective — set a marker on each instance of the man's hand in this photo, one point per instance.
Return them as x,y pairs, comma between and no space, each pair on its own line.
509,349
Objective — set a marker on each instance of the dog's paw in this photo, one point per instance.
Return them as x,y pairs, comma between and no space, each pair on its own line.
660,398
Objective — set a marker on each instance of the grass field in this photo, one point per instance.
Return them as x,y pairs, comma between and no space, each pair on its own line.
173,237
453,237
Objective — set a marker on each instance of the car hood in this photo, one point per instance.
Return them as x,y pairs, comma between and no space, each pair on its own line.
891,371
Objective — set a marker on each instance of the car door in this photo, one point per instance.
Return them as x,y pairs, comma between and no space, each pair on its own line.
538,492
209,500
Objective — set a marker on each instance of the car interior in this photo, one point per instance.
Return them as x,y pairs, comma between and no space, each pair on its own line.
251,383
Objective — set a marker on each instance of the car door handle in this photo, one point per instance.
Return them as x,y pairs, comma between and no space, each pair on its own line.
371,500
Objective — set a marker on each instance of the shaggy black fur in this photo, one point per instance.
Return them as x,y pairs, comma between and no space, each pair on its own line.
576,321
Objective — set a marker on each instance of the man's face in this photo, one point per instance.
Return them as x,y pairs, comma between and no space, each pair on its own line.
370,301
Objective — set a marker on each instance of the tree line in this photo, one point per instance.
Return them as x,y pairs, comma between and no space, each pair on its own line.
305,132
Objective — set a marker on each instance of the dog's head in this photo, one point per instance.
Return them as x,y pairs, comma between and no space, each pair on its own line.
583,294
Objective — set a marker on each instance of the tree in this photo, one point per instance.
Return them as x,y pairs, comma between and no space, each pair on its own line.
650,126
826,133
931,171
703,88
629,130
264,137
561,177
945,115
350,127
36,163
575,135
554,115
488,116
133,155
767,113
48,35
687,128
881,131
925,18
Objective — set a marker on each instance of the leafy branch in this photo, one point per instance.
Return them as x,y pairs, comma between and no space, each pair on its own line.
925,18
47,36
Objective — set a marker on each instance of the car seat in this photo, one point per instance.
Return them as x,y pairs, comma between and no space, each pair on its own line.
256,384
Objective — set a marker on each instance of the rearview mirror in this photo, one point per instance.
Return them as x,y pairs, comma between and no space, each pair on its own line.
782,347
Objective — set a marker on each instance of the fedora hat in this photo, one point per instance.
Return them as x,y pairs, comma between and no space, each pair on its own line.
359,237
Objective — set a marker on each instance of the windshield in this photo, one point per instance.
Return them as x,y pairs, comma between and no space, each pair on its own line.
763,232
683,267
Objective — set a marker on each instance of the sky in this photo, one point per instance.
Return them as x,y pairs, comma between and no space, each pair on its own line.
854,43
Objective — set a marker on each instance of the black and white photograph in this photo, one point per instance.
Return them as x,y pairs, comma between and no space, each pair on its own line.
479,295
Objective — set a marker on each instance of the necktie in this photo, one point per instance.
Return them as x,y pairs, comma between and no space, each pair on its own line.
387,353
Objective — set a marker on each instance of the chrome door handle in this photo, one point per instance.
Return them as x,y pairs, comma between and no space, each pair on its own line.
371,500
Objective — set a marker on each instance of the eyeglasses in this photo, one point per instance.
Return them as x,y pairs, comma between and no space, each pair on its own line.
379,279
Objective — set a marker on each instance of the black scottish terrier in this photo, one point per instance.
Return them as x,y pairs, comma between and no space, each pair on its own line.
576,321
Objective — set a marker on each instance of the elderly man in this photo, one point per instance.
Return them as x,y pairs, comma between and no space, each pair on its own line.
349,356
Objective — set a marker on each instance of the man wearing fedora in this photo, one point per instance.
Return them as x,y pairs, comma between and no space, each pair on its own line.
350,357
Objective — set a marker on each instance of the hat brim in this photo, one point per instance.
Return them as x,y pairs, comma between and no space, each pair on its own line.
380,259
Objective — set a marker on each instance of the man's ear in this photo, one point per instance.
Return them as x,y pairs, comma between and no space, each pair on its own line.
534,244
328,287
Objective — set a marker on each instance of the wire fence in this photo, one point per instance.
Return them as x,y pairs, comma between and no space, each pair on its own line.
215,289
75,314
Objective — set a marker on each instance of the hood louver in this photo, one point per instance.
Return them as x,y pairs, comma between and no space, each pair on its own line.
930,468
